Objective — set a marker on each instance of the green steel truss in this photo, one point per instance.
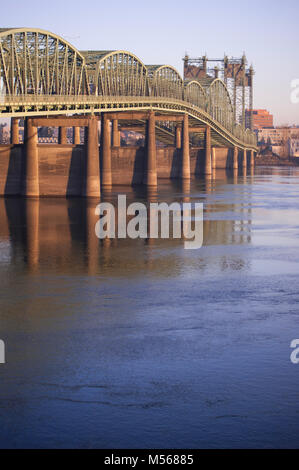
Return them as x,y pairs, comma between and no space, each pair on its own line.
42,74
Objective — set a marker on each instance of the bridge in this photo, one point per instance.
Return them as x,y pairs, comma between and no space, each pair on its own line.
47,81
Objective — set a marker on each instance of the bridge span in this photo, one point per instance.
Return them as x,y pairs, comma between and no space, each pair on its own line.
49,83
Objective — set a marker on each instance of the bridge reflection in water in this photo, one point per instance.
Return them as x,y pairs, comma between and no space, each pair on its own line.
58,235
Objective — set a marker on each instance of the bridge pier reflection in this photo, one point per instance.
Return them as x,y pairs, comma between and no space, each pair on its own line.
32,206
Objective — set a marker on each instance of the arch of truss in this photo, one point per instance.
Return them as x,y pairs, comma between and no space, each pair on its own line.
34,61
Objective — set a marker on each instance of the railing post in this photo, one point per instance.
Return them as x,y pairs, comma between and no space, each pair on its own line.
14,131
151,178
62,135
208,162
32,171
186,149
106,151
93,185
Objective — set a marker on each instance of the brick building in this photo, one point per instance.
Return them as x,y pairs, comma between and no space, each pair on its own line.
260,118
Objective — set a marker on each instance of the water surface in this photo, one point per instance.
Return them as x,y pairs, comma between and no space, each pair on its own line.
142,344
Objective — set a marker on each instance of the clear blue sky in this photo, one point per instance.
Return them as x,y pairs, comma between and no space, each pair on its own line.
161,31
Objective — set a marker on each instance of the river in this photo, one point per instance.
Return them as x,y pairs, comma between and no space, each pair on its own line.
141,343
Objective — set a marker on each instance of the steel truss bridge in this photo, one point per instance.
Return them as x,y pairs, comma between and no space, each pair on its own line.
41,74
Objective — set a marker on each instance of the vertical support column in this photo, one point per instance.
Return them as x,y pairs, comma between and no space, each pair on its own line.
214,162
178,137
115,133
106,152
208,163
32,173
236,159
62,139
252,159
186,149
76,136
14,131
151,178
244,162
93,186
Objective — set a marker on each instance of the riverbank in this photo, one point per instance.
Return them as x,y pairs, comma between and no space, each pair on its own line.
270,159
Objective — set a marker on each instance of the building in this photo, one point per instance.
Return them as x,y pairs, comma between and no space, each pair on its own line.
260,118
283,141
294,147
4,134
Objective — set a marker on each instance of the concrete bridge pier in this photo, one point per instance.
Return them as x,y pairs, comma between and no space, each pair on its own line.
76,136
93,185
244,160
208,162
186,149
252,159
62,135
178,137
14,131
106,151
151,169
115,133
236,159
31,188
214,162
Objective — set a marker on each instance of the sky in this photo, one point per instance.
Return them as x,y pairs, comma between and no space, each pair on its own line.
162,31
